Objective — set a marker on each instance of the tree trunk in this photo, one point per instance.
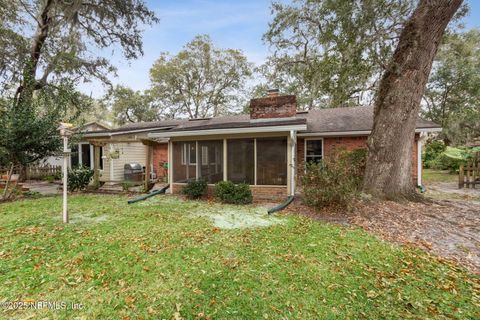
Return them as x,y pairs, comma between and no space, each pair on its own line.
389,164
29,83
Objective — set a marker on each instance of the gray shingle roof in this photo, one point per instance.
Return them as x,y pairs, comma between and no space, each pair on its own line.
347,119
321,120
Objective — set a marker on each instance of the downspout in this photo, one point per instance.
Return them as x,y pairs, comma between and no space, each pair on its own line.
170,166
110,150
293,145
291,197
419,163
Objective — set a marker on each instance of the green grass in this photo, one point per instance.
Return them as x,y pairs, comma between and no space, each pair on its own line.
158,260
432,176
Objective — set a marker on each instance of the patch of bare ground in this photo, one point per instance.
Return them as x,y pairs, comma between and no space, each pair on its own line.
447,228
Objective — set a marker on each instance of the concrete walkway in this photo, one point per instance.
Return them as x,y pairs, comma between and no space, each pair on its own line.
42,187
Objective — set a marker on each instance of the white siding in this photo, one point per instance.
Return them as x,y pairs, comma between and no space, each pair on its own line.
129,153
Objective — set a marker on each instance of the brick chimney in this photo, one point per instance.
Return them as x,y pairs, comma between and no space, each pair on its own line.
273,106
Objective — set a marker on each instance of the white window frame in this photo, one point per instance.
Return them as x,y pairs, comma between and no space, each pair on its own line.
186,154
204,155
305,148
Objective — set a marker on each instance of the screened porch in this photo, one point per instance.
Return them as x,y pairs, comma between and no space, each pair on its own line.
261,161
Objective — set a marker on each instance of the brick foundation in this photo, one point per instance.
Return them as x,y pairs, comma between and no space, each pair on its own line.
260,193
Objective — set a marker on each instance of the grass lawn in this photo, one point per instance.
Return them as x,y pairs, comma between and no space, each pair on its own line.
163,258
430,175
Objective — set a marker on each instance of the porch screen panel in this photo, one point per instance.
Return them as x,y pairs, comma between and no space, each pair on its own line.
184,161
272,161
211,160
240,161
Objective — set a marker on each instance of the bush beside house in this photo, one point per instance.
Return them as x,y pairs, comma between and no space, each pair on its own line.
79,178
228,192
195,189
335,181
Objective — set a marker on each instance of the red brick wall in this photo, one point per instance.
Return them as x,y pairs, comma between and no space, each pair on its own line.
349,144
160,156
260,193
273,107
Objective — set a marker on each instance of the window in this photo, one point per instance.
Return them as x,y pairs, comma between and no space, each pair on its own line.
272,161
186,168
313,150
74,161
85,155
240,161
211,160
101,159
189,153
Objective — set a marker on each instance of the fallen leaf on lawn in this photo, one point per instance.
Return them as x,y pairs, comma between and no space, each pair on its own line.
372,294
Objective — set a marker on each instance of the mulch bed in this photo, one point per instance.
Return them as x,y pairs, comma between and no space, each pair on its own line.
450,229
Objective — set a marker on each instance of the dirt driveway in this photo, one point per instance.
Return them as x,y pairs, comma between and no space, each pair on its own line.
447,224
448,228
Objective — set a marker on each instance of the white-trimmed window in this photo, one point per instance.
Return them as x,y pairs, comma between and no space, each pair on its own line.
189,153
204,155
313,150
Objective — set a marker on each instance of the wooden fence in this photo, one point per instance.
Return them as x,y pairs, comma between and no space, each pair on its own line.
469,176
43,172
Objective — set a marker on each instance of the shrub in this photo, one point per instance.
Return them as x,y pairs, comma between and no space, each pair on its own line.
126,185
335,180
195,188
432,150
79,178
450,159
228,192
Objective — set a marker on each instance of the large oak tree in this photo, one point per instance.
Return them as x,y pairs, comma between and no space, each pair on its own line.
47,47
332,53
453,92
199,81
45,41
397,104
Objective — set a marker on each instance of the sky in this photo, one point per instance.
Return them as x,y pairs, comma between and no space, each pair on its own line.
237,24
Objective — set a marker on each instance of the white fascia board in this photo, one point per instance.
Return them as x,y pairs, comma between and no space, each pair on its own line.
93,135
356,133
117,133
418,130
207,132
138,131
334,133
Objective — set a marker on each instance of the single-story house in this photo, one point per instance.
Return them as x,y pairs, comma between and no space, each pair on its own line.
266,148
82,152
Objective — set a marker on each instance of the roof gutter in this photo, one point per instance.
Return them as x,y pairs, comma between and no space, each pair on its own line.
356,133
205,132
117,133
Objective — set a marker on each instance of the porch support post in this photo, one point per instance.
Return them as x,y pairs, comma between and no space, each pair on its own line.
255,161
293,147
170,166
225,176
80,153
96,165
197,166
147,166
110,161
419,159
